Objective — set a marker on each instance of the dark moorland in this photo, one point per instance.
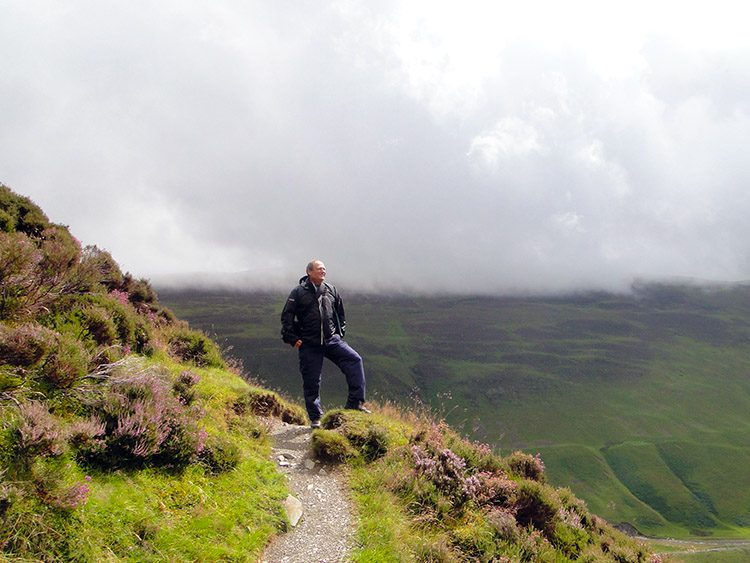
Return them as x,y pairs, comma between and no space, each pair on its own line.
637,402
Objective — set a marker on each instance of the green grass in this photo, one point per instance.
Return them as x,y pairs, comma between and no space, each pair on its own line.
583,373
642,470
733,556
587,473
152,516
165,515
407,513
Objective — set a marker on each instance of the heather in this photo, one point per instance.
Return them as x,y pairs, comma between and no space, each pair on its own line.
427,494
126,435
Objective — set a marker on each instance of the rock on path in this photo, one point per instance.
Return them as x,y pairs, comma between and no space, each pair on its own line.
324,530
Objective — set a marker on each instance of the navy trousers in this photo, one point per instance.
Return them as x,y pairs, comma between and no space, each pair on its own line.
311,365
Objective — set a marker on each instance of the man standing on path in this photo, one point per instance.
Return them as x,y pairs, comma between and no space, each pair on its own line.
313,321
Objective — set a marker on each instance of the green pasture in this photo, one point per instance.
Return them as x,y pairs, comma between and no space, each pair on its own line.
638,403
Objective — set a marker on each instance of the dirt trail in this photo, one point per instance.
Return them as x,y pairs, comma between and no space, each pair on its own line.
325,531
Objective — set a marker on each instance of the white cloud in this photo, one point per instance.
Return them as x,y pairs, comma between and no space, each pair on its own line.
481,147
510,137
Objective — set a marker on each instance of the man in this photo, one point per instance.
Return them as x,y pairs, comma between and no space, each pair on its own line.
313,321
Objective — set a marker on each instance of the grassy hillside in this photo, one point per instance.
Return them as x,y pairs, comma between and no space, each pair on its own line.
639,403
125,435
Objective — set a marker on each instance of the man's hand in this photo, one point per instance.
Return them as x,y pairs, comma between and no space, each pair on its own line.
298,344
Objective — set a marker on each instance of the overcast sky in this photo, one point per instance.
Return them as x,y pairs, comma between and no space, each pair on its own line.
473,146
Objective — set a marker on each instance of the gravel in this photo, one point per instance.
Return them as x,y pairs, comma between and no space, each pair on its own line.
325,530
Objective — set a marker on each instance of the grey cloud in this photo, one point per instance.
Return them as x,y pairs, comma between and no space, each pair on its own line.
233,136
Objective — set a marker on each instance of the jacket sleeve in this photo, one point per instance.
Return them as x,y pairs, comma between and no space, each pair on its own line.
289,327
339,307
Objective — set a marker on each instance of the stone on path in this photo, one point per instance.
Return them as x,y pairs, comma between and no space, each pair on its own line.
293,508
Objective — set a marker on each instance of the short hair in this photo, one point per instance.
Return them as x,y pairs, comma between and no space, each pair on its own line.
311,265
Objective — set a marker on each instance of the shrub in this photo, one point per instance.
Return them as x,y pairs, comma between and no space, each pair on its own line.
98,326
33,433
184,387
504,522
104,320
59,359
37,512
373,444
476,538
331,446
25,345
10,379
363,433
477,456
537,505
35,273
496,489
66,363
143,425
593,554
7,222
104,268
29,218
9,494
18,259
444,468
569,539
220,455
371,435
61,252
139,291
188,345
84,431
267,403
526,466
436,550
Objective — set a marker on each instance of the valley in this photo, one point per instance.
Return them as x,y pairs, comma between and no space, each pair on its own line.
637,402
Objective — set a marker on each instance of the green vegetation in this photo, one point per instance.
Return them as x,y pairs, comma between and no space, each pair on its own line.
126,435
729,556
591,382
426,494
123,434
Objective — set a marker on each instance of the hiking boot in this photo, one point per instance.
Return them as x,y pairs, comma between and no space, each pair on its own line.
315,423
361,408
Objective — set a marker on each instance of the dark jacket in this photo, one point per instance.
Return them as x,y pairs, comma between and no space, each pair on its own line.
312,317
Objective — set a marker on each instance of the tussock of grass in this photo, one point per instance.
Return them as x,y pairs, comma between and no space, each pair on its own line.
267,403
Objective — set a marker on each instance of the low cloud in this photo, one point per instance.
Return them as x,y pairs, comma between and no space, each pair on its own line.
410,146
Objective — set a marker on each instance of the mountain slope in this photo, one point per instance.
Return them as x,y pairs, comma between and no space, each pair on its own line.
579,379
125,436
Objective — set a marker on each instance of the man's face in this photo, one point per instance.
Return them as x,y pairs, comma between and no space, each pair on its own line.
318,273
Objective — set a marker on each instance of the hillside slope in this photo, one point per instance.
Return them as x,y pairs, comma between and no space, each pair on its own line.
637,402
125,436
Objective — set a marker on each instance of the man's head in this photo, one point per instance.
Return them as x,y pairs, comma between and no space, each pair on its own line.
316,271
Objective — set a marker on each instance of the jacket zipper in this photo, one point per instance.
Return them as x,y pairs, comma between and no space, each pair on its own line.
320,314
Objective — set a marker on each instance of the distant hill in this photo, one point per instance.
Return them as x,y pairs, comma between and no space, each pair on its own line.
638,402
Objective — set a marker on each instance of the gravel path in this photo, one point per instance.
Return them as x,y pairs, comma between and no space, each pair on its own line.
325,530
